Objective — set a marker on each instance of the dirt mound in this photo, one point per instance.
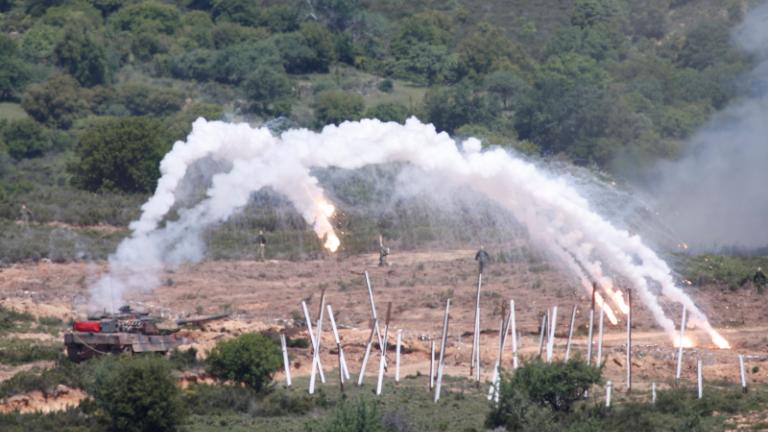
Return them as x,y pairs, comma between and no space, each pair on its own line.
61,398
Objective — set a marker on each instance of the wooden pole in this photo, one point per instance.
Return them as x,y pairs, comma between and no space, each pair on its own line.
286,362
432,367
514,333
591,324
542,332
742,375
551,338
443,346
397,355
343,365
629,341
600,335
679,369
367,354
570,334
474,364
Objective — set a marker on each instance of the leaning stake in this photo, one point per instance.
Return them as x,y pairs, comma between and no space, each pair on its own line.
286,362
570,333
742,374
680,344
600,336
700,379
551,338
443,346
474,364
591,324
367,354
629,341
397,355
343,365
514,333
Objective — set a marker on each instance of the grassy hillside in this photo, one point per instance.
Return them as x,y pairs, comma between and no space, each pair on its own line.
87,85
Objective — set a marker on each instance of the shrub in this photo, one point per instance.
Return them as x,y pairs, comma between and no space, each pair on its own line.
391,111
10,317
147,100
336,106
20,351
250,359
120,154
26,139
267,86
357,416
539,389
137,394
56,102
82,56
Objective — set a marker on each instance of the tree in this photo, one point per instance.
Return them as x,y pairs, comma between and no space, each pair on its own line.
148,100
588,13
56,102
251,359
389,111
266,86
120,154
507,86
148,16
245,12
336,106
82,56
282,18
236,62
13,71
137,394
26,139
707,44
541,390
297,56
487,49
449,108
338,13
320,40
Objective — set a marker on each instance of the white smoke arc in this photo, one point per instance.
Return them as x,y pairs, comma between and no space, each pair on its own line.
553,211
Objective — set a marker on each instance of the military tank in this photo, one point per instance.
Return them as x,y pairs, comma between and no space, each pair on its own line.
128,332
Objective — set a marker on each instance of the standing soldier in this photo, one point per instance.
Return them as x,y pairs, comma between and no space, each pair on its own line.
262,244
482,258
26,214
759,279
383,252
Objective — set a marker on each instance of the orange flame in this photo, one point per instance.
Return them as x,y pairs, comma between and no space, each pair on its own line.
687,342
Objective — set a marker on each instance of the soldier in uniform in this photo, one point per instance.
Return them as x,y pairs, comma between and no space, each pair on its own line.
383,252
482,258
25,213
760,280
262,244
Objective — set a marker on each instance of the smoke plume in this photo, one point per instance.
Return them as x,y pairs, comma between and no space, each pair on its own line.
557,217
716,195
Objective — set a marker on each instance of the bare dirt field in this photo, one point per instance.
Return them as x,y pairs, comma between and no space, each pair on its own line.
262,295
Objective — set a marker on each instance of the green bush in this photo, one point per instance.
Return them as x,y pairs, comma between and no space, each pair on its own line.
391,111
64,372
136,394
250,359
82,56
358,416
120,154
266,87
26,139
9,318
538,390
336,106
148,100
57,102
20,351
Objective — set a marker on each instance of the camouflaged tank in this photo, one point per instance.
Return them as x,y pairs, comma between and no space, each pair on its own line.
125,332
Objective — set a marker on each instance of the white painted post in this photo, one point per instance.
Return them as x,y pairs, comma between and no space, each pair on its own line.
474,364
367,353
629,341
680,344
551,338
432,367
600,335
443,346
591,324
608,389
742,374
570,334
286,362
514,333
503,328
344,369
653,393
373,309
318,339
700,378
397,355
312,340
382,359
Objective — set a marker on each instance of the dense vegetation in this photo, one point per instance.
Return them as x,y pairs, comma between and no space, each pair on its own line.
93,93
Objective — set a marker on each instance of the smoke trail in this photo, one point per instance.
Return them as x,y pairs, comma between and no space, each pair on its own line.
554,213
716,196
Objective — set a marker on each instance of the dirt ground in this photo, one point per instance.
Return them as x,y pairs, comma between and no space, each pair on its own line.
262,295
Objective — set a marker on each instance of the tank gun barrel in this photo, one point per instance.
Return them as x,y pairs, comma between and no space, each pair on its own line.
201,320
